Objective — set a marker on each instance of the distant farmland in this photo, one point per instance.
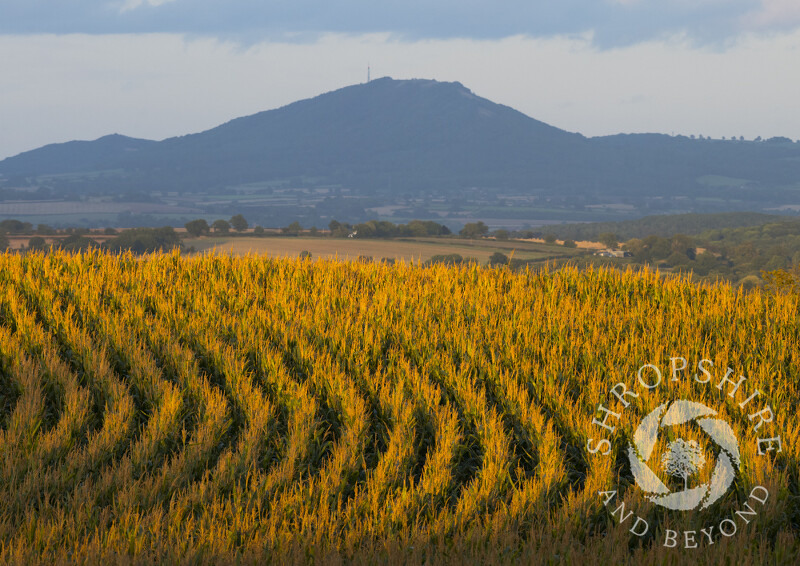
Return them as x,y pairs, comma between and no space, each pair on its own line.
408,250
23,210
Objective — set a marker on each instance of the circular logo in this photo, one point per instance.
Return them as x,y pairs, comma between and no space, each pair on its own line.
682,458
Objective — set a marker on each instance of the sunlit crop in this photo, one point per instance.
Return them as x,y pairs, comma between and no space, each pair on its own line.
218,408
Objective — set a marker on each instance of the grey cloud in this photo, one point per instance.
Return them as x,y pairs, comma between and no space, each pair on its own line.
611,23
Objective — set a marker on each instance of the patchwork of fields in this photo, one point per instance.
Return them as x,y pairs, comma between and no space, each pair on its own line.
219,408
410,250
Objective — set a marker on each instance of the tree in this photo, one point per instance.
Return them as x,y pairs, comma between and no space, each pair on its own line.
292,229
683,459
12,226
705,262
145,240
498,258
657,246
750,282
339,229
570,244
777,281
367,229
425,228
683,244
637,249
197,227
608,239
77,242
549,238
677,259
37,243
239,223
258,230
221,226
474,230
501,234
3,242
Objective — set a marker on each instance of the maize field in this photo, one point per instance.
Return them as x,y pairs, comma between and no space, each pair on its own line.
220,409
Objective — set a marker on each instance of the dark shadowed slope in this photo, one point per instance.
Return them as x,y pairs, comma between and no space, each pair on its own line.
107,152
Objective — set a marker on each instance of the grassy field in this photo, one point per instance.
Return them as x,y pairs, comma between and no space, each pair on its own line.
229,409
406,249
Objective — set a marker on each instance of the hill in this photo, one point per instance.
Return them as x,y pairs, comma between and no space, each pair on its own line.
664,225
108,152
396,146
433,134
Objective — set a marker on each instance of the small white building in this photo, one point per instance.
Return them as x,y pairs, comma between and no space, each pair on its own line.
613,253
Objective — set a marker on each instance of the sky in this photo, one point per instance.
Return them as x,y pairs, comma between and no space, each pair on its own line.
81,69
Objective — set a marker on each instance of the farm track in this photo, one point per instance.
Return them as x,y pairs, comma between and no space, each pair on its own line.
219,408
